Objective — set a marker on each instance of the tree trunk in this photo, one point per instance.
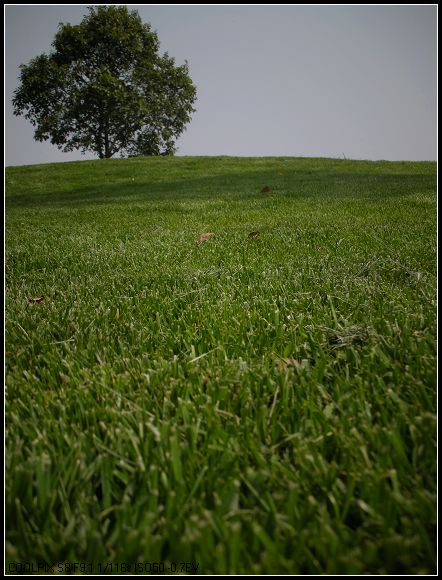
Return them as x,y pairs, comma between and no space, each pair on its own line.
107,151
106,146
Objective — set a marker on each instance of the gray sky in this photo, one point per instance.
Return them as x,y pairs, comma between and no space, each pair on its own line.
326,81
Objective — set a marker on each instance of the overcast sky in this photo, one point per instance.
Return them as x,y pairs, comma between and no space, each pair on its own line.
309,81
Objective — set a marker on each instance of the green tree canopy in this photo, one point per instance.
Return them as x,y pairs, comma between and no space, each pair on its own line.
105,88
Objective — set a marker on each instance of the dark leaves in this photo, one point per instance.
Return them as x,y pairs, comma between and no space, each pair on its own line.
346,337
38,300
205,237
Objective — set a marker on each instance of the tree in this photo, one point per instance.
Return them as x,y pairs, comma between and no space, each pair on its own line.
105,88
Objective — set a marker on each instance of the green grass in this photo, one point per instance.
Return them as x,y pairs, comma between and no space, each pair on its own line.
262,405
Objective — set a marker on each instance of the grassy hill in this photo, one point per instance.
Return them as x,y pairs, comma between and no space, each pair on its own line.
261,401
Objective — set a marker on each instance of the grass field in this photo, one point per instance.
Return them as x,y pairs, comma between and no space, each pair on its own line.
252,403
